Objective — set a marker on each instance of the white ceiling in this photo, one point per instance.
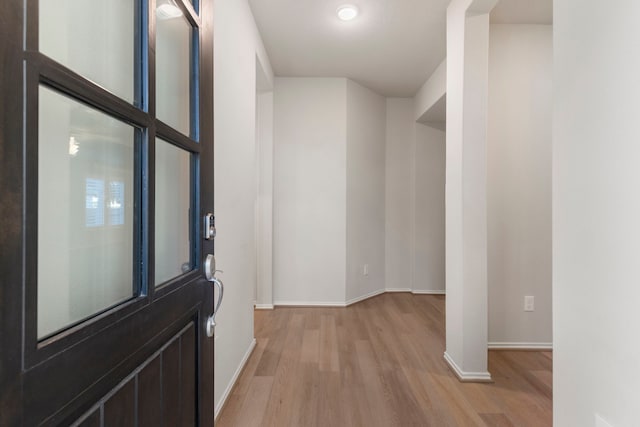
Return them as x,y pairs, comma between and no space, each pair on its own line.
392,47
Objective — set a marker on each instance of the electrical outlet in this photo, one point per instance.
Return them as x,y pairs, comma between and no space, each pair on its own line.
365,270
529,304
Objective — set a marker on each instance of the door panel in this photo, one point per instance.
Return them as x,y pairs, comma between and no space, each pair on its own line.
163,389
86,338
104,353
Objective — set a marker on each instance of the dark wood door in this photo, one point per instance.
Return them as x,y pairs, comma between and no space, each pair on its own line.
106,174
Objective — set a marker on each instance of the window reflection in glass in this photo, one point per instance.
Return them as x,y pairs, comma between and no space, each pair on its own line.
173,207
173,68
85,212
94,38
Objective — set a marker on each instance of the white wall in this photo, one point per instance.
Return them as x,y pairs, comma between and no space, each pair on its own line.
519,184
309,214
453,196
366,123
431,91
237,43
596,206
400,143
466,221
429,228
264,203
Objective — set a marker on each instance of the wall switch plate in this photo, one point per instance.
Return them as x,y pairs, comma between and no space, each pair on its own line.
529,304
365,270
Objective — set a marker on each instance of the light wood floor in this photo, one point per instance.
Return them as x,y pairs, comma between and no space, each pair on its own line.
378,363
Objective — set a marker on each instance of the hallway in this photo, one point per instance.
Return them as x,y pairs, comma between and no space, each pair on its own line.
378,363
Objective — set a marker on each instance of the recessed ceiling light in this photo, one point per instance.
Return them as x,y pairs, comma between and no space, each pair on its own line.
347,12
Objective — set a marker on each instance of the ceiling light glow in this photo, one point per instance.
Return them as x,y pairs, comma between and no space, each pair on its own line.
168,10
73,146
347,12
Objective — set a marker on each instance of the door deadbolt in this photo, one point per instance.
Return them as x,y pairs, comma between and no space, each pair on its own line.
209,226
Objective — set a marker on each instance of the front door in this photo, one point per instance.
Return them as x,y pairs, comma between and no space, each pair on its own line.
106,176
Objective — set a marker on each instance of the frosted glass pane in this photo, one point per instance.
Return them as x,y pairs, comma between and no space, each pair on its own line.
173,46
94,38
173,203
85,212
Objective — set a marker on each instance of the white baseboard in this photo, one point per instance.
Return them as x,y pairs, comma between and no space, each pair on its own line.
344,304
236,374
308,304
367,296
480,377
520,346
420,292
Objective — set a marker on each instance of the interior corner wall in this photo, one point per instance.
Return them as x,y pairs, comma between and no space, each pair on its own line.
366,124
429,222
519,184
237,44
596,206
400,143
310,206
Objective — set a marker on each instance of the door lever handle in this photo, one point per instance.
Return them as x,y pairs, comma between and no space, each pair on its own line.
210,273
220,286
211,321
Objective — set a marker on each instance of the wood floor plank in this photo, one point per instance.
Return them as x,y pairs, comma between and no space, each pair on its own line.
244,381
304,407
379,363
481,401
455,401
285,388
329,361
311,346
377,396
496,420
253,409
271,356
545,378
330,408
231,410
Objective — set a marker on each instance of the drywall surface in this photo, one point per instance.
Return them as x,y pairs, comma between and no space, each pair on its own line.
519,183
366,123
429,226
466,221
310,202
400,142
237,43
433,89
596,206
453,191
474,192
264,203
